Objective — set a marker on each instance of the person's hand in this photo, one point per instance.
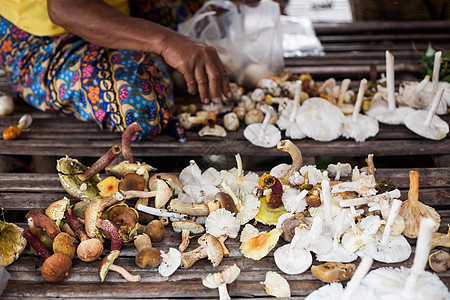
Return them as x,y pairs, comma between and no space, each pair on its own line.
200,65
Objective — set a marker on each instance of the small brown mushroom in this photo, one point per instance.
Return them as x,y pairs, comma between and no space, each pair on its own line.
226,201
439,261
313,201
124,219
333,271
210,247
147,256
65,244
107,264
155,230
186,227
132,182
56,268
288,226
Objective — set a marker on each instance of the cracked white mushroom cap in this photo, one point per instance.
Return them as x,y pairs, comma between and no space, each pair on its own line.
291,259
248,232
170,262
221,279
426,123
320,120
263,134
222,222
249,209
276,285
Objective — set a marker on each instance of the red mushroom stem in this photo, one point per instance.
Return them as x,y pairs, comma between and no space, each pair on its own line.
108,227
102,162
41,220
75,224
37,245
277,191
126,141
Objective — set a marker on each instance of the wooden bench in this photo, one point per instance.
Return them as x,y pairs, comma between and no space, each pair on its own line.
21,192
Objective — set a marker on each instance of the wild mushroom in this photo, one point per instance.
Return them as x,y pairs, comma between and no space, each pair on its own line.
426,123
287,119
155,230
171,179
409,93
37,218
192,209
231,121
358,126
320,120
56,209
339,170
247,208
294,200
263,134
388,113
161,212
12,243
354,238
131,182
240,185
210,247
249,231
342,90
226,201
313,239
441,239
290,223
147,256
170,262
362,183
260,245
127,137
285,171
186,227
333,271
124,167
6,104
200,118
212,129
107,264
439,261
65,244
101,163
221,279
276,285
412,210
267,215
13,132
125,219
222,222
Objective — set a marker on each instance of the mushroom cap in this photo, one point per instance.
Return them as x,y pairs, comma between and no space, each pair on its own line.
320,120
352,242
124,219
260,245
132,182
240,189
170,262
56,268
215,130
68,169
90,250
155,230
333,271
439,261
362,129
65,244
437,130
227,276
337,254
226,201
191,226
292,260
222,222
12,243
163,193
268,215
171,179
148,257
214,248
249,209
106,262
397,249
294,200
267,138
276,285
288,227
334,290
231,121
248,232
124,167
55,210
379,111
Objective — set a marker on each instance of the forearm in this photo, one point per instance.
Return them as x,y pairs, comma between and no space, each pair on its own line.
103,25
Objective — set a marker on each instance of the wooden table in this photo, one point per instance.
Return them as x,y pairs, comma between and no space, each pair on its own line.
22,192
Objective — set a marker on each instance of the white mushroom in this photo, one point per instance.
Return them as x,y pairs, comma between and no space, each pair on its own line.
426,123
248,232
276,285
320,120
287,120
263,134
222,222
170,262
294,200
367,200
314,174
354,238
313,239
339,170
240,185
362,183
247,208
221,279
6,104
357,126
212,129
409,93
231,121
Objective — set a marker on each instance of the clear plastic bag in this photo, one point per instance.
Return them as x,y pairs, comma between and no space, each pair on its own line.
248,39
299,38
4,277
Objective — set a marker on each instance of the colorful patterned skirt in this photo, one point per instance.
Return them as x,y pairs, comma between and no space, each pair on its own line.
111,87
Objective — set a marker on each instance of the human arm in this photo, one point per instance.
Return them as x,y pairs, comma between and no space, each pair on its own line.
103,25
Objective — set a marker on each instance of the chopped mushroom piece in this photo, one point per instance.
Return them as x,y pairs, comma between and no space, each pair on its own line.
276,285
221,279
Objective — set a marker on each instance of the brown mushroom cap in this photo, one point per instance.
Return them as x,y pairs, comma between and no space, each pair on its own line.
124,219
148,257
439,261
333,271
132,182
56,268
213,247
155,230
226,201
65,244
90,250
288,227
171,179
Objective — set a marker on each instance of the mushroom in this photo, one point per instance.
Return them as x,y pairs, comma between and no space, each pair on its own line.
212,129
426,123
263,134
314,240
409,93
291,258
169,262
131,182
201,117
339,170
240,185
358,126
55,210
12,243
287,119
6,104
222,222
155,230
248,232
267,215
221,279
294,200
171,179
362,183
354,238
333,271
253,116
231,121
342,90
160,212
65,244
125,219
127,136
439,261
210,247
384,112
441,239
101,163
193,209
247,208
285,171
147,256
260,245
186,227
276,285
412,210
121,169
320,120
13,132
226,201
107,264
291,222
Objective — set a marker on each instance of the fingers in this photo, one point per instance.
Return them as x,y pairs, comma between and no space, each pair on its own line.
202,83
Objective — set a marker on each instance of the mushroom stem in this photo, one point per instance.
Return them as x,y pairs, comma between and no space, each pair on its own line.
189,208
343,89
160,212
295,153
437,98
125,274
326,196
395,207
421,256
223,292
41,220
126,141
93,212
436,68
37,245
339,226
189,258
138,194
390,80
364,200
75,224
316,228
184,240
419,88
361,271
413,193
359,99
370,165
298,90
101,163
108,227
239,178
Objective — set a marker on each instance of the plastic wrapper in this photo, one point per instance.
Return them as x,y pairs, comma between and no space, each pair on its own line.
299,38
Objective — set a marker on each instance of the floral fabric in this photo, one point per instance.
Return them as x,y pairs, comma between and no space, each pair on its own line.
113,88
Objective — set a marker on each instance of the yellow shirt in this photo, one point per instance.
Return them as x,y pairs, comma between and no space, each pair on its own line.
31,15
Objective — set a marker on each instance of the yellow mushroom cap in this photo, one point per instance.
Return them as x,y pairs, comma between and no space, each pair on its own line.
268,215
259,246
12,243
